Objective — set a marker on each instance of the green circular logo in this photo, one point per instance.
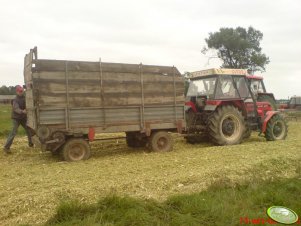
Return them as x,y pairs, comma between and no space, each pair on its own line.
282,215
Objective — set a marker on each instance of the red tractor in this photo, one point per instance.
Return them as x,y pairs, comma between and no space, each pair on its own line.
221,105
259,91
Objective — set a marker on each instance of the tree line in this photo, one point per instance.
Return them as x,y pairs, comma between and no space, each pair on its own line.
7,90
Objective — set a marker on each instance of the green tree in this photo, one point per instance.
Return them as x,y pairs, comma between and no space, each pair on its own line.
238,48
7,90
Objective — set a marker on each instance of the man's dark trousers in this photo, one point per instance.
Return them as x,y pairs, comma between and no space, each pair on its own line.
16,124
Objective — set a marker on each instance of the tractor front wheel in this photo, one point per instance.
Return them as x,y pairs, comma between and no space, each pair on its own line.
226,126
276,128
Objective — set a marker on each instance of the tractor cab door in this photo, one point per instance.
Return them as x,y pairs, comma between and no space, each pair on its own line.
246,95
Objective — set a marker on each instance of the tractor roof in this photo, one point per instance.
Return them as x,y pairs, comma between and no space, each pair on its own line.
218,71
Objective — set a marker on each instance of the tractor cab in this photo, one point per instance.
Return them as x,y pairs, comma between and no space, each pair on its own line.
259,91
217,86
221,104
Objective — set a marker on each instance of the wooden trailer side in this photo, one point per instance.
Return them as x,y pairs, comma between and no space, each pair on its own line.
117,97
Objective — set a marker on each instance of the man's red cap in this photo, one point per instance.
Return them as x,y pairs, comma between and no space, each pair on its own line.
19,89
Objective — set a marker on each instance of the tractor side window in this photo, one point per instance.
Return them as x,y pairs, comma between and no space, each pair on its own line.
242,87
225,88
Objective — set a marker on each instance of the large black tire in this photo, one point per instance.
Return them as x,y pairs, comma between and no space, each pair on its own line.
226,126
161,141
276,128
267,98
135,141
76,149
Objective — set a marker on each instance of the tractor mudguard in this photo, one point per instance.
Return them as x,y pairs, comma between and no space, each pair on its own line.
211,105
267,117
191,105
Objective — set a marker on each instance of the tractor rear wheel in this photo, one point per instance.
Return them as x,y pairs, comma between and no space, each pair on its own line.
266,98
161,141
76,149
226,126
276,128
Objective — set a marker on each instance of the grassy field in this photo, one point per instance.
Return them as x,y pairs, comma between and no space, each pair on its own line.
192,184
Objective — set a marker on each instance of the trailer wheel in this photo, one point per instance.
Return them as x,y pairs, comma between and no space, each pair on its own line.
161,141
276,128
76,150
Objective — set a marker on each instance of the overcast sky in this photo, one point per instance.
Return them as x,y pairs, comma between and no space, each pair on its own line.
169,32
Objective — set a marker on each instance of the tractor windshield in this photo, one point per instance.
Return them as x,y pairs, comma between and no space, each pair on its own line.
232,87
202,87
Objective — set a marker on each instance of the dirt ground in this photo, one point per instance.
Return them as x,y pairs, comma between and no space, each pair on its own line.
33,182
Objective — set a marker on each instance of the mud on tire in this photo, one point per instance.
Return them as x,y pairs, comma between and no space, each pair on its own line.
226,126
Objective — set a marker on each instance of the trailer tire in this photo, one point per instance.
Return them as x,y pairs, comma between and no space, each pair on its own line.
76,149
161,141
276,128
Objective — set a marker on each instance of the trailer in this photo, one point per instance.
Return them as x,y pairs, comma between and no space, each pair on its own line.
68,102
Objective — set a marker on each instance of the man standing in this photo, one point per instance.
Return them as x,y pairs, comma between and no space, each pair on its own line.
19,118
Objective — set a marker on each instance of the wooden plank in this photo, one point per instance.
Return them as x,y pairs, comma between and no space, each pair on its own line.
110,101
109,77
59,65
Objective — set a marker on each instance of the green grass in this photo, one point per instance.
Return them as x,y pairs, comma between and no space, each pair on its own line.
296,114
220,204
6,121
